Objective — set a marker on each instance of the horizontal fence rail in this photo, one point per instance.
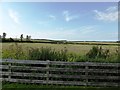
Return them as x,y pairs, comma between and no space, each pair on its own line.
63,73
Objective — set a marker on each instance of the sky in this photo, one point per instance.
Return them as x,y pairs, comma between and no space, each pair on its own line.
72,21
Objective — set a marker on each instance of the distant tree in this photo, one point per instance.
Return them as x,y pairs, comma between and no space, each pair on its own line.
21,37
4,35
28,38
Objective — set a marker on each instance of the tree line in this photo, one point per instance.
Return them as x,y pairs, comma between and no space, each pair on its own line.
27,39
4,39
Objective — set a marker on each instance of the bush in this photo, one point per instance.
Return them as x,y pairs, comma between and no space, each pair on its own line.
98,52
47,54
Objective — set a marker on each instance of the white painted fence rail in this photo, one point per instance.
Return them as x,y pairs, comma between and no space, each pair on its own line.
58,72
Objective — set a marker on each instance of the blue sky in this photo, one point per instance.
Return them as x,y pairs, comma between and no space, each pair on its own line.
60,21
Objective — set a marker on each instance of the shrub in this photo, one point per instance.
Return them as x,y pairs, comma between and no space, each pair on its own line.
47,54
98,52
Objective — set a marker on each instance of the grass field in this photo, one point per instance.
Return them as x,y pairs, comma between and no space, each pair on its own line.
72,48
61,52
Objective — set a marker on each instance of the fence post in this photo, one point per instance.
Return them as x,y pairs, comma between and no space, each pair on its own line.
9,71
86,73
47,73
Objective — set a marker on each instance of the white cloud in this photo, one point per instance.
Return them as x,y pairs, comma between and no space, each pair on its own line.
68,17
56,34
110,9
52,17
87,29
83,32
14,16
110,14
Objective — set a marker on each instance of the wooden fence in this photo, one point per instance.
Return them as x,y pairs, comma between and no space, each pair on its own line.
57,72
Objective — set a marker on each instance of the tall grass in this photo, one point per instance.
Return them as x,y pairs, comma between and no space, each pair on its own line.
14,51
47,54
96,54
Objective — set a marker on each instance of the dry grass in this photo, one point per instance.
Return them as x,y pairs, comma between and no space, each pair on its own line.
109,43
74,48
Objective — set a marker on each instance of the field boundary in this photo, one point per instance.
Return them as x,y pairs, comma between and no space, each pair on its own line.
60,73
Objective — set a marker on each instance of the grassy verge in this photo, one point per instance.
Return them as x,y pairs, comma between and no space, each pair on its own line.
15,86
